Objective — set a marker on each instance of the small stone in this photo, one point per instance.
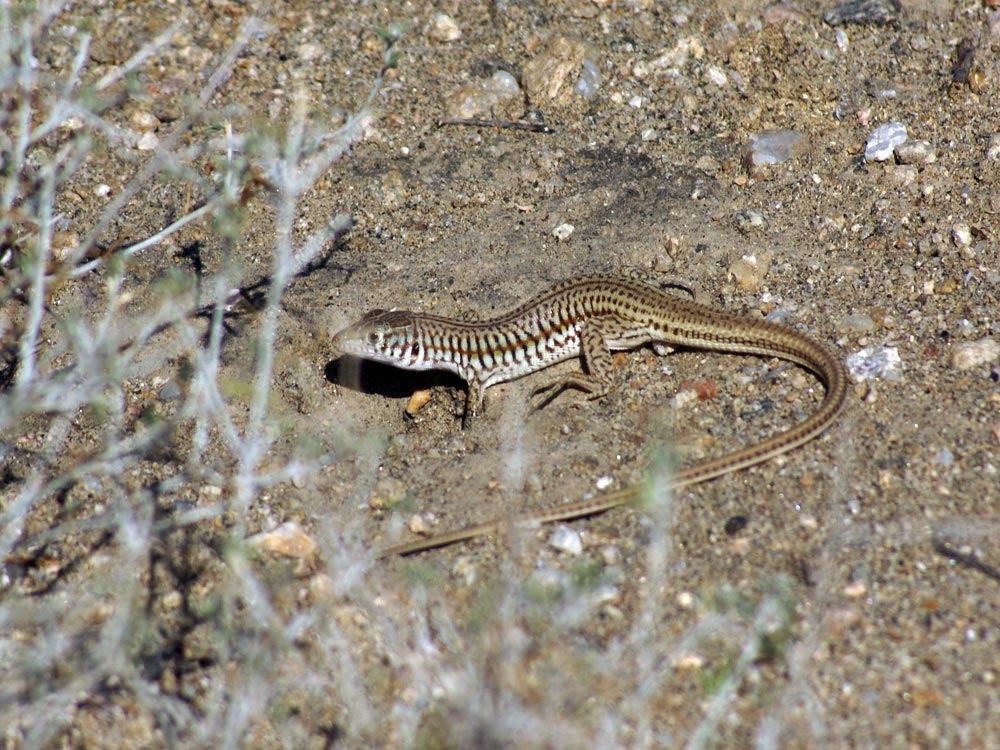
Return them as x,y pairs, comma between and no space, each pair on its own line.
611,555
915,152
388,492
750,270
563,232
64,244
883,140
144,121
773,147
464,570
101,190
589,81
855,590
904,174
749,220
173,600
782,12
287,540
641,69
148,141
603,482
993,150
679,56
717,76
944,457
309,51
444,28
171,391
549,75
688,663
566,540
857,322
498,96
685,600
876,362
418,524
926,697
961,235
862,12
975,353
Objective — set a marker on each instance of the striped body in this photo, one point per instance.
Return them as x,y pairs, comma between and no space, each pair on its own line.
590,317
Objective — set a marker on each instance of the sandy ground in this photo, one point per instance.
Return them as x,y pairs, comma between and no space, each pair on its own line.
828,562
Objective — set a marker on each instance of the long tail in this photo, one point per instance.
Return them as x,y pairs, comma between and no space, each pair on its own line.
800,349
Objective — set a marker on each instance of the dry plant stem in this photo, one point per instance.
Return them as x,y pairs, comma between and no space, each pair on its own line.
534,127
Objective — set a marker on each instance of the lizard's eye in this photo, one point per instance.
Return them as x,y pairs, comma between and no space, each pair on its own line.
374,338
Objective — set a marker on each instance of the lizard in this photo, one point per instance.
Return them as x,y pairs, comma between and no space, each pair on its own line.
588,318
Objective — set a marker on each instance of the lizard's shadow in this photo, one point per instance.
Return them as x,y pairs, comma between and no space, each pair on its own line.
366,376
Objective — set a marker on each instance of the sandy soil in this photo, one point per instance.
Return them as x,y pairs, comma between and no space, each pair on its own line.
878,640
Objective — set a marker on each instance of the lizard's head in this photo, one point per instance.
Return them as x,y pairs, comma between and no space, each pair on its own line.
382,336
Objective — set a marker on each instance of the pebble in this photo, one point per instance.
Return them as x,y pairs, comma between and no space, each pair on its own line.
858,322
288,540
464,570
842,40
170,391
418,524
750,270
72,123
773,147
961,235
717,76
148,141
101,190
975,353
563,232
64,244
944,457
144,121
875,362
915,152
676,58
855,590
993,150
560,62
883,140
611,555
589,81
444,28
689,662
309,52
862,12
749,220
498,96
566,540
604,482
